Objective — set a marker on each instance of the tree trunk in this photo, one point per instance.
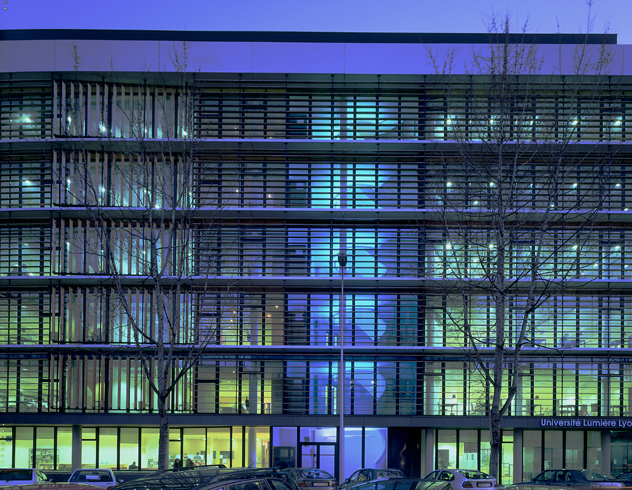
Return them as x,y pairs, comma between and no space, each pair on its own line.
496,440
163,439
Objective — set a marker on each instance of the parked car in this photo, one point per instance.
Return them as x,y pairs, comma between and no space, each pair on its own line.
209,469
463,479
201,477
580,479
102,478
369,474
276,473
50,486
175,478
244,482
625,477
311,477
21,476
529,486
404,484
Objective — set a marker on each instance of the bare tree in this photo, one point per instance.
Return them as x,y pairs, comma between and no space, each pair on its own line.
129,171
527,176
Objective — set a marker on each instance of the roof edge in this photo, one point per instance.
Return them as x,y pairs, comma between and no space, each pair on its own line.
304,37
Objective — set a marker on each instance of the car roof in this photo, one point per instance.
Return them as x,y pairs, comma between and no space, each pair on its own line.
242,478
408,483
302,470
210,467
184,480
248,473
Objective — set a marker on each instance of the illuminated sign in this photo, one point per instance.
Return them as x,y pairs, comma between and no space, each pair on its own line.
603,423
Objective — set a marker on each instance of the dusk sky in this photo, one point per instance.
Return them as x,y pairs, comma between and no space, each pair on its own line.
319,15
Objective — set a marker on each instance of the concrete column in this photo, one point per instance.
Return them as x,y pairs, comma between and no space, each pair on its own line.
251,460
428,463
605,452
253,407
517,455
76,447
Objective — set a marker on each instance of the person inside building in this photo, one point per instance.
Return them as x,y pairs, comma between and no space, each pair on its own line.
132,466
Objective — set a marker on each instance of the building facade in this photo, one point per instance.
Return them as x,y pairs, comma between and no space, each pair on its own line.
206,183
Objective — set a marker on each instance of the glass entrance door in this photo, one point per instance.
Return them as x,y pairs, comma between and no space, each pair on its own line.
319,455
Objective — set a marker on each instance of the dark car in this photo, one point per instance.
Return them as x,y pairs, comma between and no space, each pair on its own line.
404,484
369,474
311,478
179,479
210,469
244,482
580,479
625,477
250,474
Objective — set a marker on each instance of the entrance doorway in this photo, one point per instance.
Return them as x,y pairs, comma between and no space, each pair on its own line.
320,455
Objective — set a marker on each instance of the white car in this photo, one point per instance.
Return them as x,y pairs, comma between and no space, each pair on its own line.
463,479
21,476
101,478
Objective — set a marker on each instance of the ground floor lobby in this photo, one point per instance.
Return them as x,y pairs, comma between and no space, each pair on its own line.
602,444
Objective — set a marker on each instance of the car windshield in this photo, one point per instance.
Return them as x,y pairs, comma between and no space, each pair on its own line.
16,475
591,475
474,475
315,473
91,476
405,484
389,473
